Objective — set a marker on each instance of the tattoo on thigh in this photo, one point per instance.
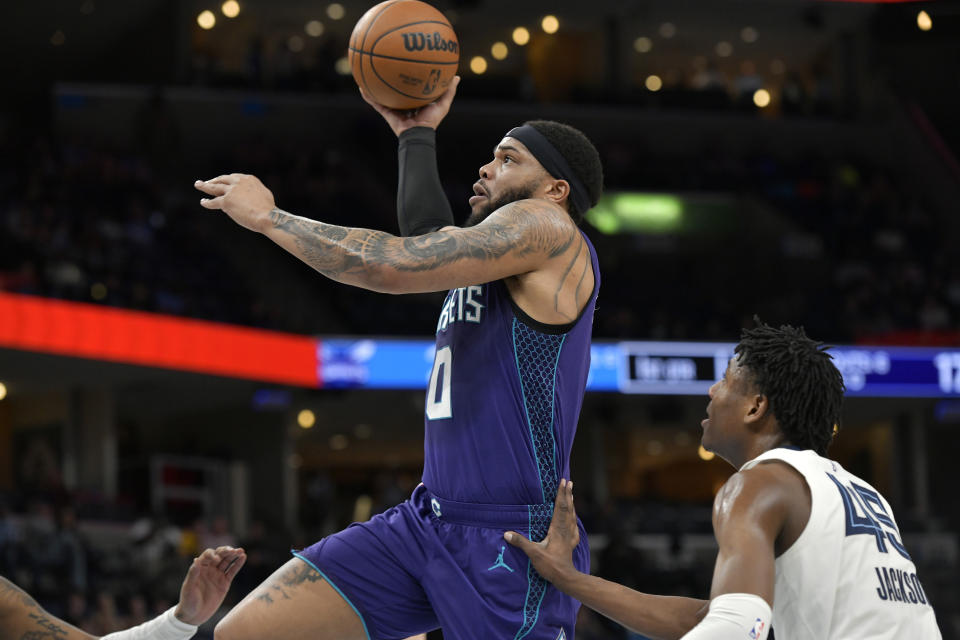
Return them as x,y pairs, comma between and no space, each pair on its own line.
282,586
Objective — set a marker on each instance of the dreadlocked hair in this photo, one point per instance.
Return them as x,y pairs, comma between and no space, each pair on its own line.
803,386
580,154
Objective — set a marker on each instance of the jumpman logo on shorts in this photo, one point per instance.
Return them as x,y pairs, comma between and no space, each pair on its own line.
500,563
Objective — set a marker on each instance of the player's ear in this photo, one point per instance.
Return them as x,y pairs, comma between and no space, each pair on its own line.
557,190
758,407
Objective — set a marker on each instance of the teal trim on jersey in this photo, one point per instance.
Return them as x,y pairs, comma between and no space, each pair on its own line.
553,407
538,386
533,582
539,455
526,410
337,589
524,630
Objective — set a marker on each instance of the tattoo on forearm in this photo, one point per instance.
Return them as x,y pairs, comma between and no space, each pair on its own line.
12,594
40,624
48,628
337,251
289,580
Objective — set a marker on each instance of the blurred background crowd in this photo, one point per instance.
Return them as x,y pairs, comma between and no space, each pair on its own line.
118,226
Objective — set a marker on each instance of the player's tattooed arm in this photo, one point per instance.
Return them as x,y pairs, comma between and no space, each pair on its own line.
13,597
516,239
21,618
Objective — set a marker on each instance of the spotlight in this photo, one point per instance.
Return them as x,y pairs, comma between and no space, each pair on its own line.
206,19
230,8
521,36
761,98
478,64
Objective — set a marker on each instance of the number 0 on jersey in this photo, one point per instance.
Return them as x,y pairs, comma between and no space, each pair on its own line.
439,404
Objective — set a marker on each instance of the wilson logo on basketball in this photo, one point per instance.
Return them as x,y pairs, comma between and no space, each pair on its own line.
429,41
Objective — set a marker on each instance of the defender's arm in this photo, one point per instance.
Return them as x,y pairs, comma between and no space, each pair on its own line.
201,594
654,616
22,618
749,513
657,617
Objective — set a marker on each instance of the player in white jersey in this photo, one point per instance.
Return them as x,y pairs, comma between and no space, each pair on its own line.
797,533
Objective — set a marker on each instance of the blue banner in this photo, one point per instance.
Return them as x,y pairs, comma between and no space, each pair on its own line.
653,368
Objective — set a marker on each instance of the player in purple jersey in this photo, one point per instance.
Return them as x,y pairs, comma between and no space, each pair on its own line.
512,356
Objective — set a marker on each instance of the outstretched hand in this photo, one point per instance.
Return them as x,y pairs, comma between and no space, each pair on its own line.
207,583
430,115
242,197
553,556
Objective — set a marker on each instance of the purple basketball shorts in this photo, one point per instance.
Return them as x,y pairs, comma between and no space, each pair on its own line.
430,563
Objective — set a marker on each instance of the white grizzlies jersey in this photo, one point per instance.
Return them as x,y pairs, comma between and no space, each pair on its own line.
848,576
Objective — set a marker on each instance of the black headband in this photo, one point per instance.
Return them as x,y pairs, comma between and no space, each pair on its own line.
554,163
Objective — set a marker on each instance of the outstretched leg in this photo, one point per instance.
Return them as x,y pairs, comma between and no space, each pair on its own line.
295,603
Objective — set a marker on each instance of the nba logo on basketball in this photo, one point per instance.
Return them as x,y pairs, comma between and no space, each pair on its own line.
431,84
757,629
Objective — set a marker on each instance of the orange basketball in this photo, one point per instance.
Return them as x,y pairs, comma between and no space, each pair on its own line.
404,53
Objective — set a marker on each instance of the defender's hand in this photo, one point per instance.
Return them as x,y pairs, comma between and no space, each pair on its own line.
553,556
207,583
242,197
430,115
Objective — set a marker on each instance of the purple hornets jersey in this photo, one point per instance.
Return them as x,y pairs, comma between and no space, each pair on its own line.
504,398
502,408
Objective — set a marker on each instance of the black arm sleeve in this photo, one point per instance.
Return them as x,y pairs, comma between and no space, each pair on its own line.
422,206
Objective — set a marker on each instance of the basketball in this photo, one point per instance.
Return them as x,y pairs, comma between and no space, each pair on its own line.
404,53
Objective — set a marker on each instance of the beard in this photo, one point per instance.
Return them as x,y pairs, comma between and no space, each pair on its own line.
510,195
